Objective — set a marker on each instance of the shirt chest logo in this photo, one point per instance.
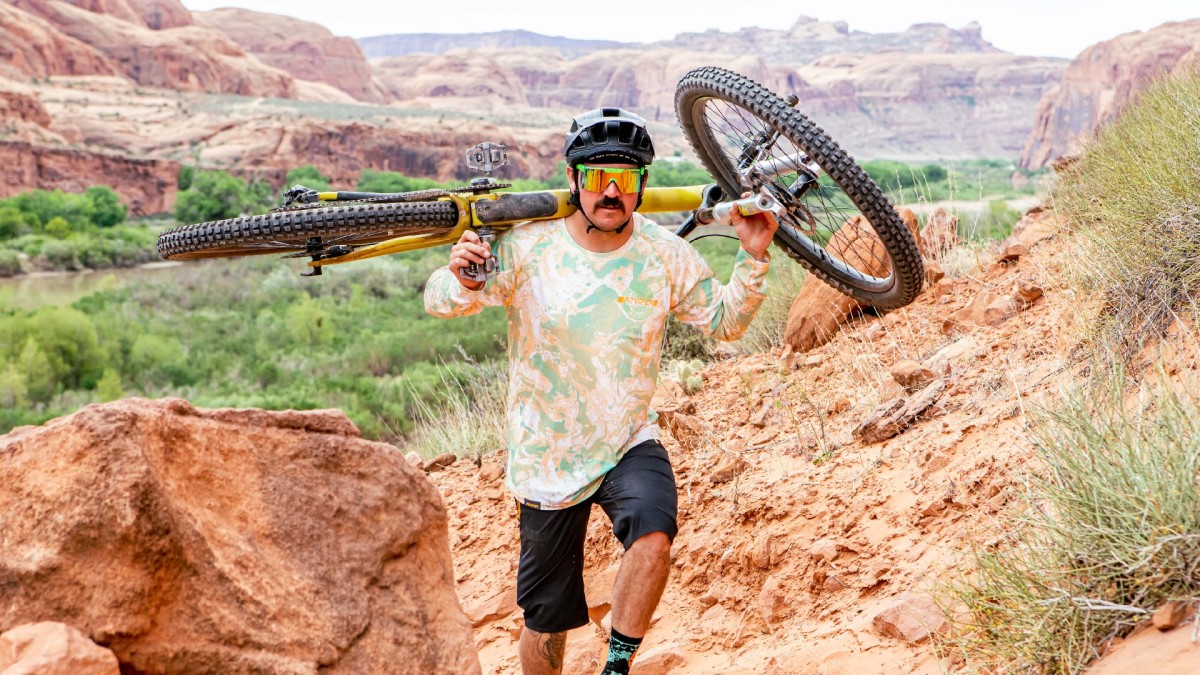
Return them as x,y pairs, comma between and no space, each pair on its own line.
638,309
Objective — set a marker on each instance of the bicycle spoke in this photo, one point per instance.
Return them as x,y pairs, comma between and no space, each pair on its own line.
738,130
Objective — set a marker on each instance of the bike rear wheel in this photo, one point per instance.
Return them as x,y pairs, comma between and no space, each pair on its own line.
293,231
752,140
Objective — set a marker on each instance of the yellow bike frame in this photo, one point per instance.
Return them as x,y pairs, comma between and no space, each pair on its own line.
655,200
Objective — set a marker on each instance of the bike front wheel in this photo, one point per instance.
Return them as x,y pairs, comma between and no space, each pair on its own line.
296,230
837,223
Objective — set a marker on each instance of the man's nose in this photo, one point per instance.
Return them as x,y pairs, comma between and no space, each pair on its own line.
611,190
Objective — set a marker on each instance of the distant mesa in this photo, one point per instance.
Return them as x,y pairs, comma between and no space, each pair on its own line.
403,44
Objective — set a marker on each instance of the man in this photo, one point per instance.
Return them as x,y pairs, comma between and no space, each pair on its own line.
587,298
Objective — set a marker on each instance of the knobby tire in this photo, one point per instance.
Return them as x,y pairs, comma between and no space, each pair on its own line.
289,231
700,88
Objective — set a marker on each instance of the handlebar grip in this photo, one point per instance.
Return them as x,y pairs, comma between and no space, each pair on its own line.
472,271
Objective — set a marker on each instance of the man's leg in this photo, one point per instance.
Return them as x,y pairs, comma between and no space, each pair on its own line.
640,583
639,497
550,584
542,653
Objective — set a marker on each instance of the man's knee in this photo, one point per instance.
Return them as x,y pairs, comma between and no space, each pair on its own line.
653,545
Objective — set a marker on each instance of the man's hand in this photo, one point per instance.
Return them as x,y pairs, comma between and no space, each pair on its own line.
755,232
469,249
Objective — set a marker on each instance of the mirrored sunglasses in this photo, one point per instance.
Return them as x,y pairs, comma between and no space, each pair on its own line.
596,179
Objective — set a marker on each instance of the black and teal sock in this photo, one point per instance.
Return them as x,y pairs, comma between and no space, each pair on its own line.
620,653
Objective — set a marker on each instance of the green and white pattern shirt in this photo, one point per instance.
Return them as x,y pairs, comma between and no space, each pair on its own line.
585,333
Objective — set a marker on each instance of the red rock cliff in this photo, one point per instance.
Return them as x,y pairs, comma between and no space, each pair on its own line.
1100,82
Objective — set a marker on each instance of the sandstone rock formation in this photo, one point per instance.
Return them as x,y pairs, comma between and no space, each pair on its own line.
177,56
1101,82
190,540
304,49
403,44
145,185
927,104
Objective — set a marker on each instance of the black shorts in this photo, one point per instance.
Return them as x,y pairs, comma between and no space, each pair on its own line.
638,495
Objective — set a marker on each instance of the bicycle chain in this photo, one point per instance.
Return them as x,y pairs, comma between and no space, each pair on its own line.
417,196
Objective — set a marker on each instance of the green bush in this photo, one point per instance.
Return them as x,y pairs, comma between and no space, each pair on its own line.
216,195
61,255
10,263
14,222
309,177
107,209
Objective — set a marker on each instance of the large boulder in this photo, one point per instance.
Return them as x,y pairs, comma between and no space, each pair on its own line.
818,310
190,540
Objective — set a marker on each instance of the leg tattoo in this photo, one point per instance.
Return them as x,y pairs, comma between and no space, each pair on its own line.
552,648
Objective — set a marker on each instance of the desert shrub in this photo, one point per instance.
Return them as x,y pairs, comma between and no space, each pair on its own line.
1133,198
10,263
1110,530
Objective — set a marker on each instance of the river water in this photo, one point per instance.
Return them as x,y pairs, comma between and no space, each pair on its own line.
30,291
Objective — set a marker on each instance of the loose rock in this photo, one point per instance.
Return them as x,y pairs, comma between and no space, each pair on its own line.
912,619
51,648
911,375
729,466
893,417
1170,615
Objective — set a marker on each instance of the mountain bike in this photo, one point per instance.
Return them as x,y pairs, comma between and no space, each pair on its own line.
833,219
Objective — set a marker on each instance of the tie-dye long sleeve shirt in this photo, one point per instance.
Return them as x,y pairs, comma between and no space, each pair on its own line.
585,333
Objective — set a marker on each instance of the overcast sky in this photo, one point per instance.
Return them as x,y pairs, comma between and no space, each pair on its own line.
1035,27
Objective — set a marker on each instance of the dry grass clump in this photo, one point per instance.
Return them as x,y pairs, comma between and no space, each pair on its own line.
766,330
472,421
1134,199
1111,530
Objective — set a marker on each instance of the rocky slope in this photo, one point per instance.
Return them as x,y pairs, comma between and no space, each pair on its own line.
816,519
1101,81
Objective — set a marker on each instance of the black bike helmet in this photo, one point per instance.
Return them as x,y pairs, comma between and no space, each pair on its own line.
608,134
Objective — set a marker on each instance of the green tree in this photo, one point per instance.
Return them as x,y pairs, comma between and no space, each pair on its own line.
37,371
109,386
213,195
187,173
69,339
76,209
13,222
107,209
13,393
309,177
58,227
390,181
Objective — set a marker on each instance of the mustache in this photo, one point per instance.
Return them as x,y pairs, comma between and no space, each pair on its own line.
611,203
